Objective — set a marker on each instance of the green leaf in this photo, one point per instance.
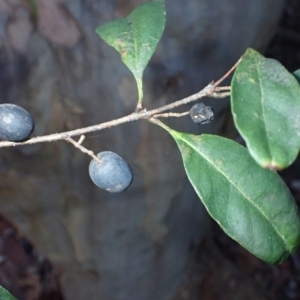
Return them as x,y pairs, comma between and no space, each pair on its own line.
297,75
136,37
265,101
251,204
5,295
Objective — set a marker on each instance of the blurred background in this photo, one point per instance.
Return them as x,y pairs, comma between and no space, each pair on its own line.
61,237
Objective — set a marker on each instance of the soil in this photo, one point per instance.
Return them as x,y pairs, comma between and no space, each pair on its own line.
23,271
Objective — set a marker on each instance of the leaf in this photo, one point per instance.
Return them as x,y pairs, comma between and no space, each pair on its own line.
5,295
136,37
251,204
265,101
297,75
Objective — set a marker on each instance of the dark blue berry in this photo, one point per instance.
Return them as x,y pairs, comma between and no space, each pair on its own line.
113,174
16,124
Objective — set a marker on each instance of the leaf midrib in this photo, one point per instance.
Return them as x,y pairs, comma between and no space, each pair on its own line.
136,52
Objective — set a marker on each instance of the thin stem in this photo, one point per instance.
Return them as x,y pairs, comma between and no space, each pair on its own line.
223,88
139,105
228,73
220,95
143,114
82,138
138,115
221,92
159,123
169,115
81,148
206,92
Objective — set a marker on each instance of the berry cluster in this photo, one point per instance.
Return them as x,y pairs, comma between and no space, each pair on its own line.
108,170
113,174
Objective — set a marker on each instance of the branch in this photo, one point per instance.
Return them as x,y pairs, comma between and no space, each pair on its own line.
221,92
143,114
228,73
209,90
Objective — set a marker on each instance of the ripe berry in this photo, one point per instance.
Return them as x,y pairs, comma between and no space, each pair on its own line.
201,114
113,174
16,124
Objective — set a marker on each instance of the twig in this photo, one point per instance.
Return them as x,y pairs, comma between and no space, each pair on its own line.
228,73
220,95
81,139
222,88
169,115
209,90
206,92
143,114
221,92
81,148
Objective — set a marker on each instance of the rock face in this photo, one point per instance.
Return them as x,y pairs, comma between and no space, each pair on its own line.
132,245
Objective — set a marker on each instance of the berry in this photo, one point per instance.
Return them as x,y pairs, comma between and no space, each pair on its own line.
201,114
113,174
16,124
